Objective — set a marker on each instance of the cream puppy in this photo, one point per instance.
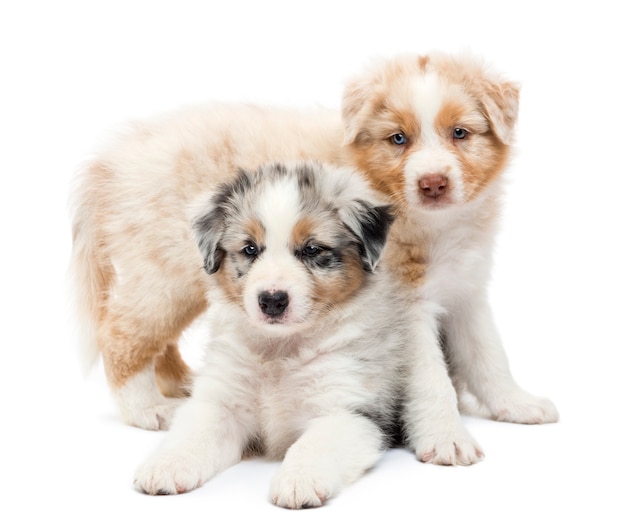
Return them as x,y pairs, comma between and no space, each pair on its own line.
434,134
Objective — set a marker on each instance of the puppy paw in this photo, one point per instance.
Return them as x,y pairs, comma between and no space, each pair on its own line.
524,408
448,449
297,489
168,474
154,417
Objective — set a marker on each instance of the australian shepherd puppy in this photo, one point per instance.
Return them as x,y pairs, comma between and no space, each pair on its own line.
434,134
305,360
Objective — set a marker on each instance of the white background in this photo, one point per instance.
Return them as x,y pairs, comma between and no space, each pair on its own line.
72,71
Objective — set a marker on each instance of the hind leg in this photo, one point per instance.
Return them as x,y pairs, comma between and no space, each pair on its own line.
172,373
140,353
479,359
139,399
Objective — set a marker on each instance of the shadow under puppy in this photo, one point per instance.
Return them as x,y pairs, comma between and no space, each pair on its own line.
308,339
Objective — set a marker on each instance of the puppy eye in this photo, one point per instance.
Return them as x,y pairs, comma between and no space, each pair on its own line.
311,251
398,139
459,133
251,250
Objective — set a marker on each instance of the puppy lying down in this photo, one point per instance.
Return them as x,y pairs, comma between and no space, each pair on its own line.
308,340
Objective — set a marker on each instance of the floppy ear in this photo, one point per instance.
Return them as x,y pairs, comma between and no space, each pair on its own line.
208,229
370,223
358,96
501,102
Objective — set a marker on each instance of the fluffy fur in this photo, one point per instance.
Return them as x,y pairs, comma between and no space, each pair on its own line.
299,365
431,132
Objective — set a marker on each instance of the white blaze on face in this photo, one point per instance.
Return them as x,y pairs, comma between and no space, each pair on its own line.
427,102
279,211
277,269
433,156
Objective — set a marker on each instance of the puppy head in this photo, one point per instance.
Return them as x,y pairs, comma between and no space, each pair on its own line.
430,131
289,243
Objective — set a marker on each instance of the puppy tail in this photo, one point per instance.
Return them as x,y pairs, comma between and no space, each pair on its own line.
90,273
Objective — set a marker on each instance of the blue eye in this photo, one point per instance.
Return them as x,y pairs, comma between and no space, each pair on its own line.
251,250
459,133
398,138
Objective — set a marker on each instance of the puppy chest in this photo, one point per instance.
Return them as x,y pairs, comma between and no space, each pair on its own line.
455,269
290,396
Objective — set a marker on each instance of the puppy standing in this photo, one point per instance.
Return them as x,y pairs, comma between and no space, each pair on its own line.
305,360
434,134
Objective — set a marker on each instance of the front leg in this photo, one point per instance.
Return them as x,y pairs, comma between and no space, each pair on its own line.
333,451
208,434
479,360
431,417
202,441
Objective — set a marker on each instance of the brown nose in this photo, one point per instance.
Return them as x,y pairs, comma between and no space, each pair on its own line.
433,186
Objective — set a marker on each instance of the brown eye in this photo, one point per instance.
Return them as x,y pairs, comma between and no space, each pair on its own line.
311,251
459,133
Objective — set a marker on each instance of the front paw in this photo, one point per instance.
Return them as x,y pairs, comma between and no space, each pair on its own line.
169,474
448,449
301,488
524,408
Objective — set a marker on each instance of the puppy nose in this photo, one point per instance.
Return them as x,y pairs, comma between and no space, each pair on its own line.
273,303
433,185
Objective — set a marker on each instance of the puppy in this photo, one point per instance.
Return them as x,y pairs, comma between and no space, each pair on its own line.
434,134
307,342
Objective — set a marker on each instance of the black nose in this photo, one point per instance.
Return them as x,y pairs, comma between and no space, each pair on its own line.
273,303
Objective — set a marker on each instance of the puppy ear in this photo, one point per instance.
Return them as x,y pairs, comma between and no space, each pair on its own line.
501,103
354,100
210,223
208,229
370,223
358,97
